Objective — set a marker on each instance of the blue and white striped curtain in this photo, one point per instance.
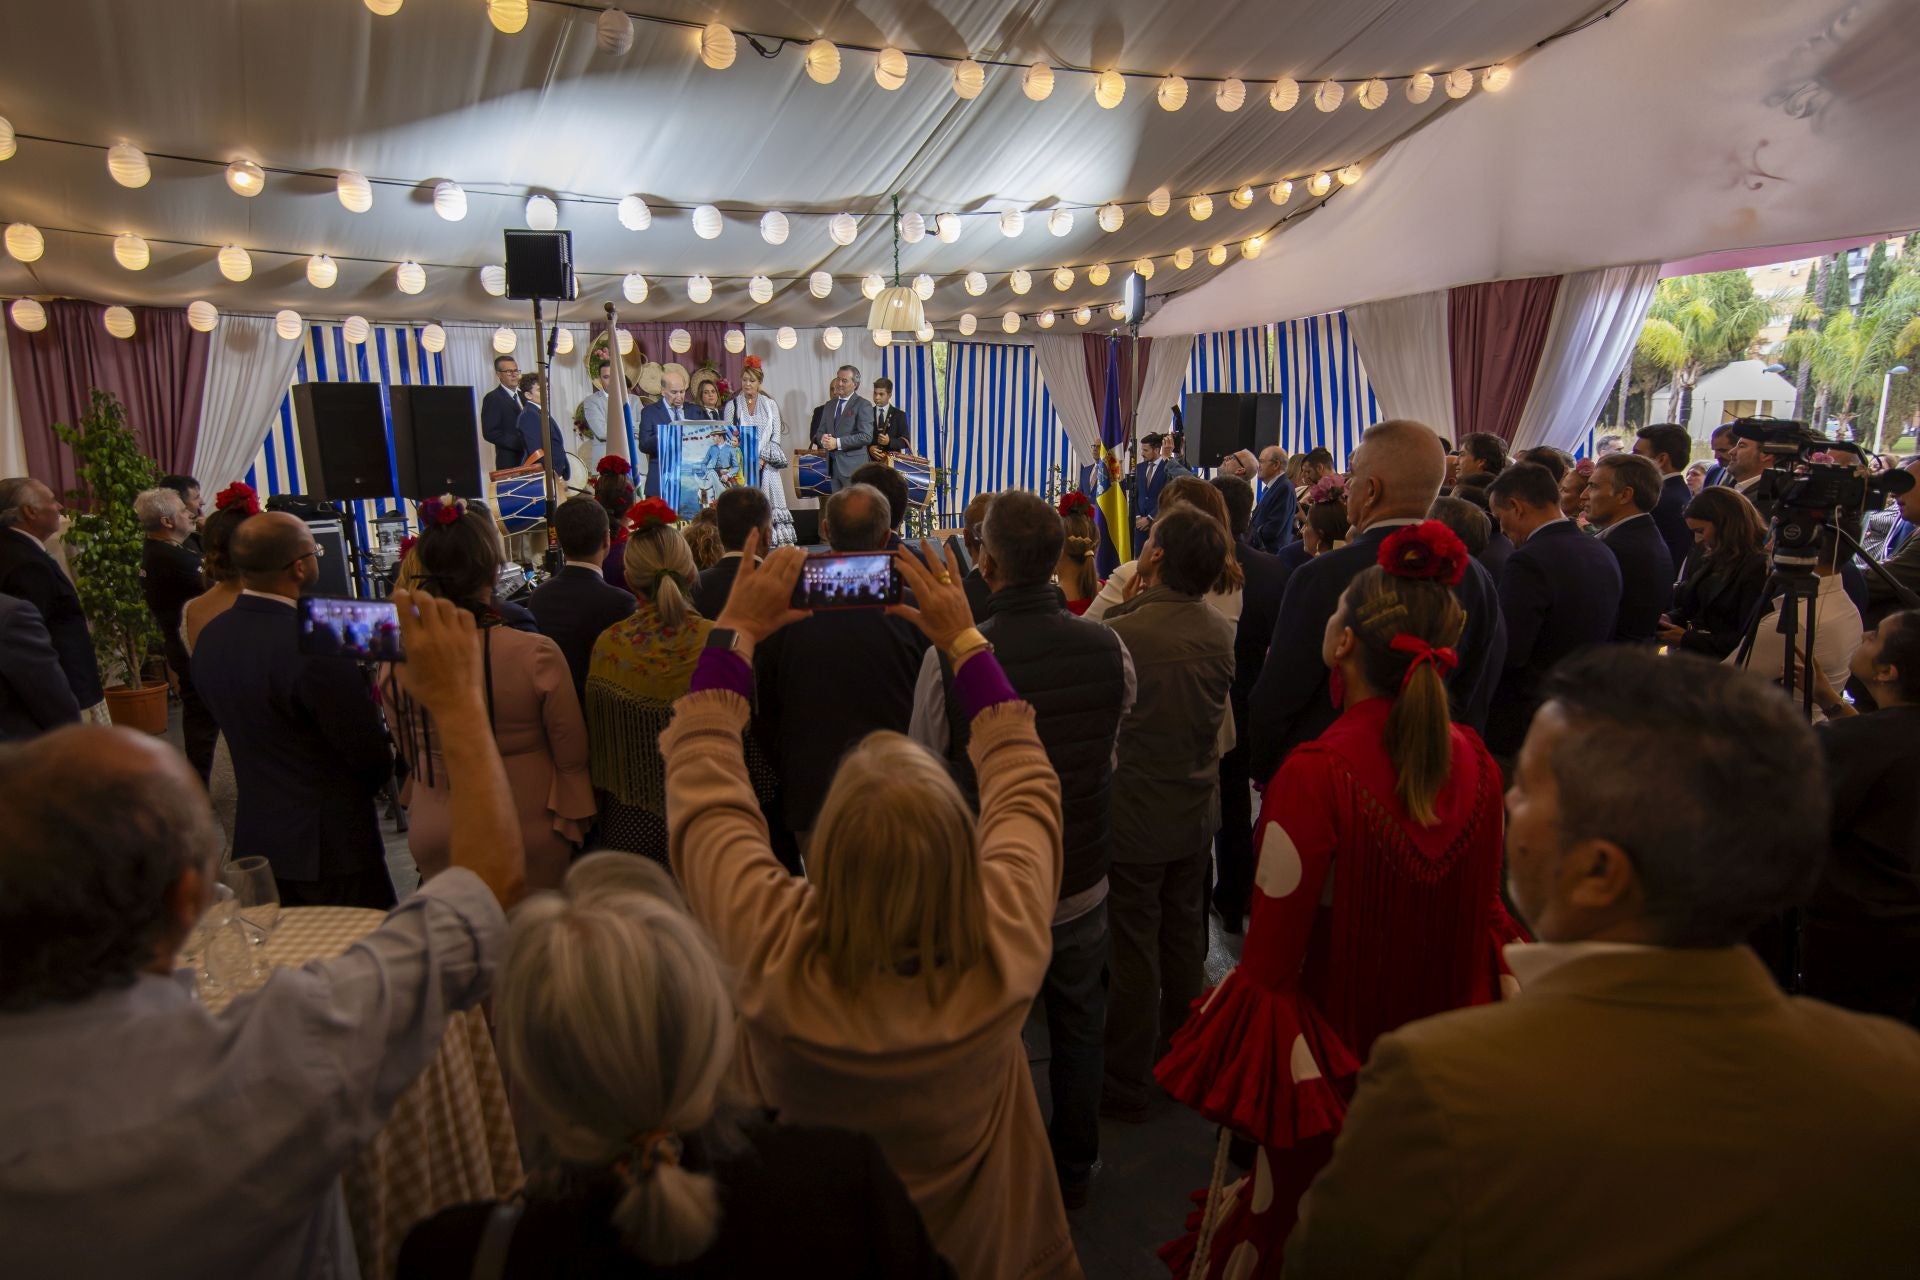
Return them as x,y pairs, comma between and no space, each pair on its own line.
1000,429
1326,401
909,365
1232,360
391,354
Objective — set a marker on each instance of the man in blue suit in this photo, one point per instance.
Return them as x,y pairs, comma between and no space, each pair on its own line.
1668,446
1150,476
667,409
1621,499
1560,593
1396,474
1272,525
34,694
534,394
500,412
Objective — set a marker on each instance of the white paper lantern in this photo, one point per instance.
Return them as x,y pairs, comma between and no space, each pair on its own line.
1319,184
975,283
699,290
1371,94
25,243
509,17
881,337
1117,310
820,284
1280,192
1230,94
785,338
823,62
923,334
450,200
355,329
1159,202
410,278
625,340
1111,217
735,341
1200,208
542,213
202,317
287,324
1419,88
563,342
871,284
8,143
1109,89
1060,222
1496,77
1081,315
707,222
969,77
633,287
1013,222
384,8
504,340
831,337
613,32
1241,198
760,289
128,165
1010,322
1182,258
1349,175
1285,94
889,72
947,227
773,227
28,315
717,47
1171,93
634,213
1459,83
1037,82
842,228
1046,319
119,321
433,339
245,178
1098,274
1020,281
236,264
494,280
1252,245
355,192
321,271
968,324
923,286
1329,94
1063,278
680,342
1143,267
913,227
131,252
1217,255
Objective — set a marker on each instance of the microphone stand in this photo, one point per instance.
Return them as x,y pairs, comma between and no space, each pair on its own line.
552,558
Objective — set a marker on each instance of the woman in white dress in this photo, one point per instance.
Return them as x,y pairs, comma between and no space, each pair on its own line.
754,407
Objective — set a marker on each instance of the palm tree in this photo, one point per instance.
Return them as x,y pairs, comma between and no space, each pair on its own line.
1696,325
1849,354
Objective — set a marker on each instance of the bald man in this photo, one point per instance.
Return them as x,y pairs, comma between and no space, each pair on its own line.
310,750
1396,474
1272,526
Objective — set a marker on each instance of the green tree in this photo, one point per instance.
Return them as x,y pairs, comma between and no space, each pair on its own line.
1879,277
104,543
1698,324
1838,291
1850,354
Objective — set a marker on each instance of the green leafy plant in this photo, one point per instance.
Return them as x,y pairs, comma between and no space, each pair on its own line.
104,543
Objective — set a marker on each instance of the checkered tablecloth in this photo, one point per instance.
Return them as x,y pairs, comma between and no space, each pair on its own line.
450,1139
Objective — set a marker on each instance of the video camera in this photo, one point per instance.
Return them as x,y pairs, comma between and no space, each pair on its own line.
1811,489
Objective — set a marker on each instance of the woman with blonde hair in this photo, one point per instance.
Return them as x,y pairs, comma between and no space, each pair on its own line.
887,992
753,407
1192,491
1078,579
617,1030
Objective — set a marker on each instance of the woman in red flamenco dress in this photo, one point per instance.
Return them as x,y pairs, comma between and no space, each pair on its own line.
1377,901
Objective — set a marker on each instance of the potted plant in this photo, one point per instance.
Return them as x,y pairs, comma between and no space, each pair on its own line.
104,546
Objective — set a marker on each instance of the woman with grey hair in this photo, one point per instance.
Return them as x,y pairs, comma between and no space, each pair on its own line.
617,1030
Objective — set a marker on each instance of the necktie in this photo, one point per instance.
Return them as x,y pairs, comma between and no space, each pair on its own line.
840,409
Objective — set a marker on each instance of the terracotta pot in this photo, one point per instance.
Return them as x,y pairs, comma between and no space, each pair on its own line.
143,710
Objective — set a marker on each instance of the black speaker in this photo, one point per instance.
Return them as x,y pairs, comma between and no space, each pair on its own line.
1266,420
540,265
806,526
343,440
436,443
1218,423
335,564
1134,298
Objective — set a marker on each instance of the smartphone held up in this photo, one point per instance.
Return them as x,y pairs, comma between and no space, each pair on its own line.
343,627
847,580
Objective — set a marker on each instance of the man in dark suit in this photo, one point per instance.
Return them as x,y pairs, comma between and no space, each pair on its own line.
845,429
1473,490
189,490
1396,474
29,515
669,408
1271,526
576,604
1158,464
310,750
737,512
891,432
34,696
1668,446
533,395
1722,443
1620,499
1559,594
169,577
500,415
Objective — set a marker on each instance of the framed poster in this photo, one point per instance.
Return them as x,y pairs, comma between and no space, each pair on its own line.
698,460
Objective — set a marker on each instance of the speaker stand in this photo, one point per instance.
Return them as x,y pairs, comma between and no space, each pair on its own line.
552,560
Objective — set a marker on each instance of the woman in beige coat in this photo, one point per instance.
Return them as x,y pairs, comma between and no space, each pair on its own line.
887,993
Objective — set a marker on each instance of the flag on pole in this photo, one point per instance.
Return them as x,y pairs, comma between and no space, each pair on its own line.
1109,494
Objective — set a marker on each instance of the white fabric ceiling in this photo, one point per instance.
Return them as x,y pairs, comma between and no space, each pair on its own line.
434,92
1670,130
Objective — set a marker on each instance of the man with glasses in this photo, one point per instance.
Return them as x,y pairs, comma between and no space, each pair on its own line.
500,415
310,750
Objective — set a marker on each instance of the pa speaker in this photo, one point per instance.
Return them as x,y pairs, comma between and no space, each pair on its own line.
335,564
343,440
1266,420
540,265
1135,298
1218,423
436,447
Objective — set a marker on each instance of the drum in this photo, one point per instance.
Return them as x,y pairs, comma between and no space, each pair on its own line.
520,499
918,473
816,480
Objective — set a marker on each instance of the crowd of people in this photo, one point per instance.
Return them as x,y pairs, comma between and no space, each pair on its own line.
1532,880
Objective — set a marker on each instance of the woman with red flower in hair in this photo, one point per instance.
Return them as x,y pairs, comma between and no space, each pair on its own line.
1376,901
613,490
1075,574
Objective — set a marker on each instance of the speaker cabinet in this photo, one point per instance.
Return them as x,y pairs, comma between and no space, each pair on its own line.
343,440
1266,420
436,443
335,564
1218,423
540,265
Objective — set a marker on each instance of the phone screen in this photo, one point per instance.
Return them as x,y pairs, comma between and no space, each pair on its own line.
341,626
847,580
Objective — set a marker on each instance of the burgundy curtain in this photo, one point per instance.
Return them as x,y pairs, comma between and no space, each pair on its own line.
158,374
709,344
1495,333
1096,349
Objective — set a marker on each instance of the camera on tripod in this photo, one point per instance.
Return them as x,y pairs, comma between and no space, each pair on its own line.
1814,483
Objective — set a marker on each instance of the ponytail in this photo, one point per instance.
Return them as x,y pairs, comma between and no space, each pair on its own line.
1420,740
669,1213
670,599
659,566
1406,628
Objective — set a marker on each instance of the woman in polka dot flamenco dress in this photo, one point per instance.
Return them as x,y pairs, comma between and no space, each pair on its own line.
1377,902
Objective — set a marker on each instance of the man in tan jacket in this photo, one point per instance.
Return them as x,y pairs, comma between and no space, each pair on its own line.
1650,1104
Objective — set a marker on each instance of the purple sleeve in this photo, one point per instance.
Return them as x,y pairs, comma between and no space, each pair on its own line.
980,684
723,669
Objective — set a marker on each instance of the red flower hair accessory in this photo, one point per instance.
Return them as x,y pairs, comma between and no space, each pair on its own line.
1426,550
406,545
238,494
445,509
1075,502
613,465
651,513
752,362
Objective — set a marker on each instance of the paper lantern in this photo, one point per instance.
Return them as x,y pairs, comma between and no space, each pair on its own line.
1496,77
625,340
889,72
717,46
1098,274
831,337
1063,278
1329,94
1109,89
509,17
975,283
947,227
1060,222
202,317
321,271
542,213
1046,319
410,278
245,178
1010,322
680,342
128,165
785,338
287,324
1280,192
1171,93
1217,255
820,284
881,337
1251,246
913,227
1319,184
773,227
1200,208
355,329
707,222
1013,222
563,342
131,252
1143,267
504,341
613,32
1349,175
1459,83
968,324
1419,88
1285,94
450,200
433,339
1037,82
384,8
1371,94
24,242
8,143
923,334
355,192
1230,94
1159,202
760,289
1241,197
119,322
634,213
1182,258
494,280
1111,217
699,290
1117,311
28,315
871,284
923,286
236,264
842,228
633,287
969,77
1081,315
823,62
1020,281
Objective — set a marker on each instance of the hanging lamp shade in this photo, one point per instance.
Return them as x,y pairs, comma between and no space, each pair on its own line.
625,340
1109,89
680,342
1217,256
923,334
699,290
897,309
923,286
975,283
1349,175
1319,184
1082,315
355,192
707,222
8,142
1171,93
1117,310
1371,94
433,339
119,322
1200,208
913,227
1250,247
969,77
509,17
1063,278
760,289
871,284
1328,95
881,337
1183,258
1143,267
1496,77
1159,202
1060,222
1010,322
1046,319
202,317
1459,82
1013,222
1241,198
1280,192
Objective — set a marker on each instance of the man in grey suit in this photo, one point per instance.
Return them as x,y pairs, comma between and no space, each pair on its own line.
847,428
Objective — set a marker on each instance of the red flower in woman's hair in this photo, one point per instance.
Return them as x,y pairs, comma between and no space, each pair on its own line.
613,465
1426,550
445,509
406,545
1074,501
651,513
238,494
751,362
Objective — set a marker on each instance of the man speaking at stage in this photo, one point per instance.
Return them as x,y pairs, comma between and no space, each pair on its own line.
847,428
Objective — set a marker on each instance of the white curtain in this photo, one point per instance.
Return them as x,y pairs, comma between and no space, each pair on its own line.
1160,384
799,379
249,369
1596,321
1403,343
13,440
1063,368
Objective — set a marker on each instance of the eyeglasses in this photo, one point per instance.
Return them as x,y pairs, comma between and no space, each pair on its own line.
316,553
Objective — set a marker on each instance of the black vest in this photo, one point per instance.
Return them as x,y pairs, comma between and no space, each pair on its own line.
1072,671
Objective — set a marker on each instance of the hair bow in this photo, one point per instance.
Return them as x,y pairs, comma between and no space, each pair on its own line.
1428,550
1443,657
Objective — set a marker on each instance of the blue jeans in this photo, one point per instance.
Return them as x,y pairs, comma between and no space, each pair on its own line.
1076,1003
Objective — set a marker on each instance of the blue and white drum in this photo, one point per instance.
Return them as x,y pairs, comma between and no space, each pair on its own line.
918,473
520,500
816,481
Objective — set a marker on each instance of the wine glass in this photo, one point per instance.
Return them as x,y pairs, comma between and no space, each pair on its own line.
256,897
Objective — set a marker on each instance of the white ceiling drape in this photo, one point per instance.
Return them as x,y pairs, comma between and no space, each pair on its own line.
1160,385
1063,367
249,369
13,442
1596,321
1404,344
